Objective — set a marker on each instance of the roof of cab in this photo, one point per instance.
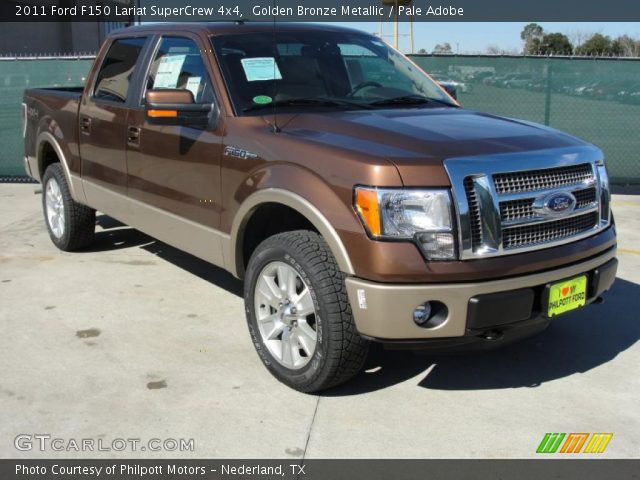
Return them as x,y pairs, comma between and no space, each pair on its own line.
229,28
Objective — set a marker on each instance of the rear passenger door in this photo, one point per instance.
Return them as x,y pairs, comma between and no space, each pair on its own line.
103,117
177,168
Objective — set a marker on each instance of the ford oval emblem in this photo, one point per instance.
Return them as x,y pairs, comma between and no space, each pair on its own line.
556,204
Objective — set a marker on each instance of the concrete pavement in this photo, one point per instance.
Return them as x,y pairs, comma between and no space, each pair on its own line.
134,339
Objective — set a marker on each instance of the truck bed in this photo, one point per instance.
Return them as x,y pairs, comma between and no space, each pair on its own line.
53,111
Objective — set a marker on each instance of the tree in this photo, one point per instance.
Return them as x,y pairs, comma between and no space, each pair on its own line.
629,47
443,48
598,44
423,50
555,44
531,35
578,37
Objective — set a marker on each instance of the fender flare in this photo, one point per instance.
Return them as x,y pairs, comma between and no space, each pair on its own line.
301,205
74,181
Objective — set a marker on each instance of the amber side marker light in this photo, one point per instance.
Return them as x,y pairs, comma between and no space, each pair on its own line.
162,113
368,209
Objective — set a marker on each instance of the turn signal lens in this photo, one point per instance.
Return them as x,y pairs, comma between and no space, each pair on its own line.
162,113
368,209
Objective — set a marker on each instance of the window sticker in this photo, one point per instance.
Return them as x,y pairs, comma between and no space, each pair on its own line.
193,85
169,71
260,69
262,99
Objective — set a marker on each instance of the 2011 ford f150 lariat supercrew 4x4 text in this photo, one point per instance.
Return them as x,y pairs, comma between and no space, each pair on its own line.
356,199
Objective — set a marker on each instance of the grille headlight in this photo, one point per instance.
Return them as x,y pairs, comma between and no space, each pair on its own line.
406,214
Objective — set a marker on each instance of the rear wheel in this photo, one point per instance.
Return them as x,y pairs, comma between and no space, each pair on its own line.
299,315
71,225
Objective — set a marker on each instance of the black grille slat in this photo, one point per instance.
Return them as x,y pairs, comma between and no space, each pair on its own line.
532,180
585,197
540,233
523,208
474,212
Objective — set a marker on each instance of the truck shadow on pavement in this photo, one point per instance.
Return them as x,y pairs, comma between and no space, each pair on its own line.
574,343
117,235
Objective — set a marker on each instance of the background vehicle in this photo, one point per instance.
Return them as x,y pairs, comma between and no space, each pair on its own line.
354,197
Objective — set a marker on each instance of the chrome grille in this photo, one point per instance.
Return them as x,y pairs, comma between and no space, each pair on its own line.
503,212
546,232
523,208
533,180
474,211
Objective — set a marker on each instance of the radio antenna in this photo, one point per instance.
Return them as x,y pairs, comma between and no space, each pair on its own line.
276,129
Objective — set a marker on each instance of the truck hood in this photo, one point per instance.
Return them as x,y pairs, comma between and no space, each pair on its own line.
411,138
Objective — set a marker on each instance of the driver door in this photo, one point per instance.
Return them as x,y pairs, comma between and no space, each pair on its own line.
176,168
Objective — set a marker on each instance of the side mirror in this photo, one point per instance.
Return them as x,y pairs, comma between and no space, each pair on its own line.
174,106
450,89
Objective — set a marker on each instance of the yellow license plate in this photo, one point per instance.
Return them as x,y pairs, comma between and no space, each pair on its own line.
567,295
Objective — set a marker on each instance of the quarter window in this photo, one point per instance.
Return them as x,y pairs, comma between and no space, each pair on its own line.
114,77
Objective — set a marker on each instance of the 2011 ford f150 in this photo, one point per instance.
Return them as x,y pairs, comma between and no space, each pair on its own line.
356,198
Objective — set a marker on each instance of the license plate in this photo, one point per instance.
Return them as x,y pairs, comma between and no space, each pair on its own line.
567,295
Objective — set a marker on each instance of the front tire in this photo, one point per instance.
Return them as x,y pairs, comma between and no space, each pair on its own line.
71,225
299,315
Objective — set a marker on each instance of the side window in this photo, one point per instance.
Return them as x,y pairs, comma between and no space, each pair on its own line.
179,64
114,77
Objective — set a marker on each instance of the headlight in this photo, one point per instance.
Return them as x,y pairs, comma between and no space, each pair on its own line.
404,214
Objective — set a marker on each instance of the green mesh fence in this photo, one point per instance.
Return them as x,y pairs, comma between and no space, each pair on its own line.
15,76
595,99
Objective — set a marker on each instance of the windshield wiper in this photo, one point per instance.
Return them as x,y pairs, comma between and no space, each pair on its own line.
307,102
409,100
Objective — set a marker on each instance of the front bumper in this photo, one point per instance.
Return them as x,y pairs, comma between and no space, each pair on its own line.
473,310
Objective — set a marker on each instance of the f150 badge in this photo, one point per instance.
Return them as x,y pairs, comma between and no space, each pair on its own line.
232,151
557,204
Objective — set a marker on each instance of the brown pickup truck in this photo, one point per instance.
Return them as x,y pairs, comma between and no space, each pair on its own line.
356,199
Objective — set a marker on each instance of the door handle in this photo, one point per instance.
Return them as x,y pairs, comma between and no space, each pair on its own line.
133,135
85,125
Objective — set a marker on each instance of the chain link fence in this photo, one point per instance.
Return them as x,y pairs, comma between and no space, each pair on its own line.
17,74
597,99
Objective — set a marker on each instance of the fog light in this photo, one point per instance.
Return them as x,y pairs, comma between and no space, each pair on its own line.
422,313
437,245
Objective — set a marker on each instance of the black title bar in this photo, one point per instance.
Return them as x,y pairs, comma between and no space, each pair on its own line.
318,469
320,10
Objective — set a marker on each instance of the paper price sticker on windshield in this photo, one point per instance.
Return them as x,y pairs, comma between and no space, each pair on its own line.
261,69
169,71
193,85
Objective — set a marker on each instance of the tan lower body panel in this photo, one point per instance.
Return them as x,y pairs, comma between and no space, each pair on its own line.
203,242
385,311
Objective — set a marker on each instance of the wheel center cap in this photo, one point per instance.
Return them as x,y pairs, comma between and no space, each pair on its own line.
288,313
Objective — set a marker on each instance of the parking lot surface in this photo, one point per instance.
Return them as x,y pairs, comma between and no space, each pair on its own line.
133,339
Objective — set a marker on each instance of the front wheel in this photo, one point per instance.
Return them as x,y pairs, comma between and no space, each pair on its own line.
299,315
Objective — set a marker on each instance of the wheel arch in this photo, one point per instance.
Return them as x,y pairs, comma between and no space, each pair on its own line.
303,210
48,151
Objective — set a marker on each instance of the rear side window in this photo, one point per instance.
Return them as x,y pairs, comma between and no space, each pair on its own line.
115,74
179,64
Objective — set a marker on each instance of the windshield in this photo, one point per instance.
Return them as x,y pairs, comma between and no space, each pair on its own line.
305,70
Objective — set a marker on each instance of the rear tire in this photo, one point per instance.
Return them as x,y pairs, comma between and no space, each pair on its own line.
299,315
71,225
